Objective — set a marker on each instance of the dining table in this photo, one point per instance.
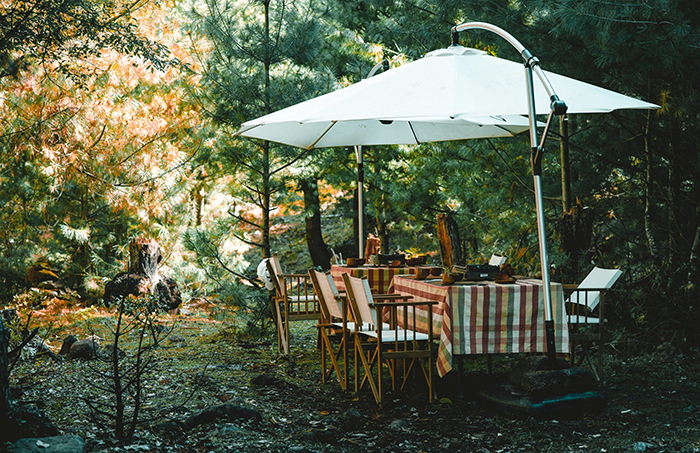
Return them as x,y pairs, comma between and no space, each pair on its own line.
484,317
379,277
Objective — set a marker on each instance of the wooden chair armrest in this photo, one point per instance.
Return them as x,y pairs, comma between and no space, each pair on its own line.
390,297
304,276
413,303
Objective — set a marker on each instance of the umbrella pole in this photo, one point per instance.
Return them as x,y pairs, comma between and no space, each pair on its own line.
536,163
360,203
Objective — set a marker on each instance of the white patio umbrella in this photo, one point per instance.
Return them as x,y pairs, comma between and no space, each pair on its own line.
453,93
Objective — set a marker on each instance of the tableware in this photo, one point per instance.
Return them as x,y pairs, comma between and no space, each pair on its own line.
355,262
422,273
450,278
435,271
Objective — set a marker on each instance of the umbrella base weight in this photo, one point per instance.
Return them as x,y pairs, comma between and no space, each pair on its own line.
506,400
535,390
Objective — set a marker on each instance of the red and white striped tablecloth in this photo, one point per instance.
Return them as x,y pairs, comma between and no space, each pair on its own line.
487,318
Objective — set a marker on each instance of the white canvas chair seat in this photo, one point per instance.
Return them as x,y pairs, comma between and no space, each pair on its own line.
585,309
397,335
361,327
399,349
584,319
299,299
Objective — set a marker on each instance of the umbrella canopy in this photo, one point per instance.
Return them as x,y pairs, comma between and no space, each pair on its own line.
450,94
281,127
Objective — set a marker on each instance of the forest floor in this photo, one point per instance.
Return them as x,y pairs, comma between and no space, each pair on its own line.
653,399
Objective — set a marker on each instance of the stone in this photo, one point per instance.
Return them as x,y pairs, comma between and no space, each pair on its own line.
67,343
84,349
27,421
223,412
56,444
399,425
353,418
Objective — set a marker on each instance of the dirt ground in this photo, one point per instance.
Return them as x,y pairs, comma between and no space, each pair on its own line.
652,401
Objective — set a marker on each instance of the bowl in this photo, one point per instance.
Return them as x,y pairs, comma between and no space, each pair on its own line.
412,261
355,262
422,273
449,278
435,271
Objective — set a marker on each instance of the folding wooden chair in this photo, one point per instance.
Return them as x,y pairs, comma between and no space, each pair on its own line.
294,300
333,327
586,310
396,348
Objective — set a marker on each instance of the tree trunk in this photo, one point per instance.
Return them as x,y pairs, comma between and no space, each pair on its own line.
576,228
5,400
320,254
450,244
694,260
565,168
674,194
648,196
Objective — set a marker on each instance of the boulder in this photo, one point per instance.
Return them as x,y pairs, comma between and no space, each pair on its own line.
84,349
56,444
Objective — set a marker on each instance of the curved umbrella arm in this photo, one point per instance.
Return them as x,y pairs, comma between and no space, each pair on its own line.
557,107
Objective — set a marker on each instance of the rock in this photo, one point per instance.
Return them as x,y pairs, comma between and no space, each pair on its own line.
352,418
27,421
106,352
67,343
223,412
84,349
56,444
399,425
265,380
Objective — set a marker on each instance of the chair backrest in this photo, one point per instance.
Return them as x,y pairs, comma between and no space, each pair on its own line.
598,278
497,260
360,296
273,268
327,293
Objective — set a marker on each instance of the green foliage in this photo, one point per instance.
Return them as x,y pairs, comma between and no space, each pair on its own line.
223,277
125,369
68,32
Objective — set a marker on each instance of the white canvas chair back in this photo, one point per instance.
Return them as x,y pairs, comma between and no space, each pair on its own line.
327,293
598,278
497,260
360,297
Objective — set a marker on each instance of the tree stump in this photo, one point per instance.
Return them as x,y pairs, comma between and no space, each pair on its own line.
143,277
450,244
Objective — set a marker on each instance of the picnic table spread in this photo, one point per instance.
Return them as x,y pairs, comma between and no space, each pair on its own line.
486,317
